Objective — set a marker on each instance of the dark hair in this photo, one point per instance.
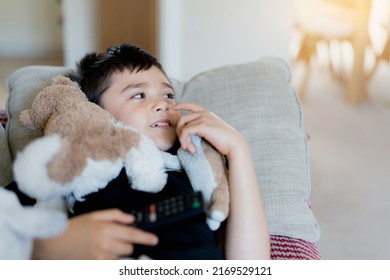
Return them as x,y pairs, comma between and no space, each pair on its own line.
94,70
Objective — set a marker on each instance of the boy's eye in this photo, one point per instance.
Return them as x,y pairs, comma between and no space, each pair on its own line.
138,95
169,96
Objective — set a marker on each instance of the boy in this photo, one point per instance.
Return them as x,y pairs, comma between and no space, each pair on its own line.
132,85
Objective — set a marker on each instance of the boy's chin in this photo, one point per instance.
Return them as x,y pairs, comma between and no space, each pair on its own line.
168,146
165,146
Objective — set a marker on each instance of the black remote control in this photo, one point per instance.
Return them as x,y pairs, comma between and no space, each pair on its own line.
170,211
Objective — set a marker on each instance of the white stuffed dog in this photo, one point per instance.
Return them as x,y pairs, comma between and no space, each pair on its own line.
19,226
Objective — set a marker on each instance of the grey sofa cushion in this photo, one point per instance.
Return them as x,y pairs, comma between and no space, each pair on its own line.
257,99
23,85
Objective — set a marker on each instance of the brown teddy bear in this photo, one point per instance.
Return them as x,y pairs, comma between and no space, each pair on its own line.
84,148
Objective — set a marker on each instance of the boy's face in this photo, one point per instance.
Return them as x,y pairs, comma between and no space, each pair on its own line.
144,100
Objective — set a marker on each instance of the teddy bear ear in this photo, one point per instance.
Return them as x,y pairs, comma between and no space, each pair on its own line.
62,80
26,120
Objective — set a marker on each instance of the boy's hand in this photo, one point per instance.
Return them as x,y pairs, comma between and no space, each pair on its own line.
206,124
104,234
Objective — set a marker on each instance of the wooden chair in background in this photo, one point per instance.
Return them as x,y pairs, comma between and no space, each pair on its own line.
384,55
331,23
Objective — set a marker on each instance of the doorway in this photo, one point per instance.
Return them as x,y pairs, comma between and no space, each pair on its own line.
127,21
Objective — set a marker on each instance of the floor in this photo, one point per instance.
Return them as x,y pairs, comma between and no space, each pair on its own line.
350,159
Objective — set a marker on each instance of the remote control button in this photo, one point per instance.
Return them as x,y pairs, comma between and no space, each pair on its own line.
140,216
153,217
196,204
153,214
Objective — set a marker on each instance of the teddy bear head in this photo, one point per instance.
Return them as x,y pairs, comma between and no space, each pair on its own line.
61,94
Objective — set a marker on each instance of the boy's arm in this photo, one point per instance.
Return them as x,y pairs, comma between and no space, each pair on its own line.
247,234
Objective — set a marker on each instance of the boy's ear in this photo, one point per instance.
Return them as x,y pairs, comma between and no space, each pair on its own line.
26,120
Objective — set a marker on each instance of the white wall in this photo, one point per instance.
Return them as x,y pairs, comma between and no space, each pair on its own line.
79,29
197,35
30,28
194,35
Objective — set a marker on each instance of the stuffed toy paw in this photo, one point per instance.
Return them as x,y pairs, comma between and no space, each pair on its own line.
19,226
208,174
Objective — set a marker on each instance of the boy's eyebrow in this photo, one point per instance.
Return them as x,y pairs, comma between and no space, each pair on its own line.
140,85
168,86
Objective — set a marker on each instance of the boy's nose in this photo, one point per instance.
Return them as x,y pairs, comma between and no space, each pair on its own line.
161,106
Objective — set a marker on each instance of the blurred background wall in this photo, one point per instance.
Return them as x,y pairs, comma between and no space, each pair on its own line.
30,28
188,36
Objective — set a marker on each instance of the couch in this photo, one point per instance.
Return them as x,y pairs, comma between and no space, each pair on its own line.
257,99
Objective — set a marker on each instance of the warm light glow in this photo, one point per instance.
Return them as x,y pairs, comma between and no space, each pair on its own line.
345,35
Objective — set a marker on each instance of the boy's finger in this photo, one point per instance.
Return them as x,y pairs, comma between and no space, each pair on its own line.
139,236
188,106
114,215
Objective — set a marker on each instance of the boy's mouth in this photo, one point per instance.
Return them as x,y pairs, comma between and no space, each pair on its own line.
162,123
